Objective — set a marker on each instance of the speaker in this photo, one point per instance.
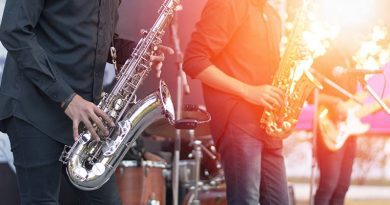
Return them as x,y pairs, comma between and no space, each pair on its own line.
9,193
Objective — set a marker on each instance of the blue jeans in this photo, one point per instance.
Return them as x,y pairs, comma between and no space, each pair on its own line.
335,172
39,171
253,173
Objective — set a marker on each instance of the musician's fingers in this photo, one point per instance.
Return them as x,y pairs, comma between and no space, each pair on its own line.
105,117
91,129
278,91
276,97
274,101
158,69
266,104
167,49
99,123
76,129
158,58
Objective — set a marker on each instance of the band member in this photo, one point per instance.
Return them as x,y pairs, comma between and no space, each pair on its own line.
53,73
335,166
234,52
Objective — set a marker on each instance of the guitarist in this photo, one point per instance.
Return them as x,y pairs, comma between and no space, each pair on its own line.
335,166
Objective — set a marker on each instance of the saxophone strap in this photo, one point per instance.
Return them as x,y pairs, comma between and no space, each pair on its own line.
113,57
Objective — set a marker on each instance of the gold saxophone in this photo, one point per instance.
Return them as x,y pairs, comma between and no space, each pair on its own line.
294,79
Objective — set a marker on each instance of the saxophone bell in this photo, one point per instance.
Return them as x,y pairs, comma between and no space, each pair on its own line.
91,163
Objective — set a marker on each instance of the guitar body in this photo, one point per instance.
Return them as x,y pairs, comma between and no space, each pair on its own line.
334,135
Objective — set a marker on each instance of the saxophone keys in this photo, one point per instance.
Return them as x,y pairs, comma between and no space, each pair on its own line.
286,125
143,32
118,104
85,137
155,47
65,154
98,169
81,173
267,113
113,114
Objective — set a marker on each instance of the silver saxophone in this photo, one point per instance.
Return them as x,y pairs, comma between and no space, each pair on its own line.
90,163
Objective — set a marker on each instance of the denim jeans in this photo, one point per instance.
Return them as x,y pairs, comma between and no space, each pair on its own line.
335,172
39,171
253,173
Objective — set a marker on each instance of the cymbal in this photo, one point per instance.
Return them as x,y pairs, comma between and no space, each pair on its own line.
164,129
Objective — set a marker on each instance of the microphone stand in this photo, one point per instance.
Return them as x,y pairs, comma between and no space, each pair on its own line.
367,87
181,82
314,145
335,86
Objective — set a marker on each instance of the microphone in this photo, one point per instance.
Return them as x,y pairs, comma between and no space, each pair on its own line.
340,71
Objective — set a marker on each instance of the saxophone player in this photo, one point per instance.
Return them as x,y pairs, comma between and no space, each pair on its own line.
234,53
53,75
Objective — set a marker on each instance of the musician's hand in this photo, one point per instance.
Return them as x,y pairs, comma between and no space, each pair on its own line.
338,112
80,110
268,96
157,60
387,101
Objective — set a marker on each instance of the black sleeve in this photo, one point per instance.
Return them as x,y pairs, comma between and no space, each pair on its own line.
17,35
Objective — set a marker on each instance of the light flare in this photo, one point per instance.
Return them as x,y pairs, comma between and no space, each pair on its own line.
375,52
316,39
349,13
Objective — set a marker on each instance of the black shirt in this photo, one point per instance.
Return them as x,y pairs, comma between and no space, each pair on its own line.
54,48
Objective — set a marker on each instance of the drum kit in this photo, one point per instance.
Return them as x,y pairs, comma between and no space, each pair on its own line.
201,179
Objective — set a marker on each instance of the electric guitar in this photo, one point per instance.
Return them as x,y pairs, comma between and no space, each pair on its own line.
334,134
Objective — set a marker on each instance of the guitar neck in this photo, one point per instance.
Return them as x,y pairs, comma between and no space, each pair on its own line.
370,108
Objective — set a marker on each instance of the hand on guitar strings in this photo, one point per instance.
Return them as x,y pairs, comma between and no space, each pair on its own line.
338,112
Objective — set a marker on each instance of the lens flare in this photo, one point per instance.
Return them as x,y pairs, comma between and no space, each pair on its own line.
374,52
347,12
316,38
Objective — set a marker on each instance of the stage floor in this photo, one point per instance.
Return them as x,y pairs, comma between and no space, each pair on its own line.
357,194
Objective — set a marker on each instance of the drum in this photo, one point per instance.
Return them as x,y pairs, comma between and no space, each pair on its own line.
141,183
215,196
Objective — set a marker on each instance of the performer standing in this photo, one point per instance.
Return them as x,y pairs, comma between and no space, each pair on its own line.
57,51
235,52
335,166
